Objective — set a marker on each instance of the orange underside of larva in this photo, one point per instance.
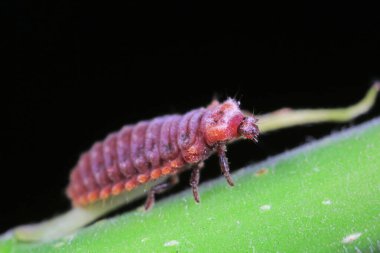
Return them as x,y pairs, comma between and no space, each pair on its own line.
171,167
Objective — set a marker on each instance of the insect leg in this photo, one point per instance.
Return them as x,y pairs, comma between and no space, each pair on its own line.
194,180
223,162
173,180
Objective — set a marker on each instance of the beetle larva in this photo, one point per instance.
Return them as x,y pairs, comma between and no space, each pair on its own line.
163,146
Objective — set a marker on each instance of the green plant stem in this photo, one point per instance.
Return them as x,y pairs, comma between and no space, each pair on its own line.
321,197
287,117
78,217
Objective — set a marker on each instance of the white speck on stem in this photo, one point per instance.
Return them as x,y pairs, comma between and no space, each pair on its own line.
351,238
171,243
265,207
327,202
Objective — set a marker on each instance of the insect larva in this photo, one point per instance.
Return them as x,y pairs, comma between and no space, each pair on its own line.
173,142
161,147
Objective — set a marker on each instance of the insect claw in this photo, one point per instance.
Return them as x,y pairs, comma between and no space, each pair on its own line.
229,179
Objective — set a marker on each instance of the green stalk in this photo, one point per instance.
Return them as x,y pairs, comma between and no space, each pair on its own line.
287,117
78,217
320,197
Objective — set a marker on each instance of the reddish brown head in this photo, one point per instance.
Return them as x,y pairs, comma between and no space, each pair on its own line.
248,128
226,122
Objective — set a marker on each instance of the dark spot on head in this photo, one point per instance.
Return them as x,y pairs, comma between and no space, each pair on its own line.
218,116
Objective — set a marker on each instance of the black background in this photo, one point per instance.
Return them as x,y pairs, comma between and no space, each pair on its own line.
76,71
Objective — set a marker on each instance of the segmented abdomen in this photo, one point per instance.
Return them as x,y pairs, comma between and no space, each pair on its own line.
136,154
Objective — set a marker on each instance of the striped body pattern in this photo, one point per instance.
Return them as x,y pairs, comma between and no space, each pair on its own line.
155,148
